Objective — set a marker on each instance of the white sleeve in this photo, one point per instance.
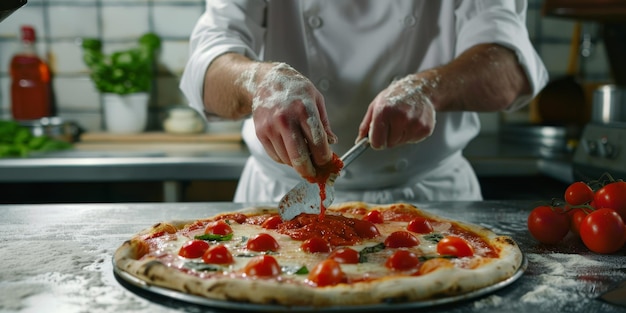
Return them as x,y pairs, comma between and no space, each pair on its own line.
502,22
226,26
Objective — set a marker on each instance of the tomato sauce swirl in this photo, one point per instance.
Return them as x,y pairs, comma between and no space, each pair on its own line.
335,229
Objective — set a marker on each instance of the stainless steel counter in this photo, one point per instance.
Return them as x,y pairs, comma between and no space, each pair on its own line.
57,258
170,163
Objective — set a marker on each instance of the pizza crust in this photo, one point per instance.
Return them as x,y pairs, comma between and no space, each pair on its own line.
440,283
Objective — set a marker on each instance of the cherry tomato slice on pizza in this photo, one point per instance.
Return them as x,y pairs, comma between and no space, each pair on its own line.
262,242
420,225
262,266
218,228
401,239
272,222
315,245
374,216
365,229
327,273
345,255
194,248
402,260
217,254
454,245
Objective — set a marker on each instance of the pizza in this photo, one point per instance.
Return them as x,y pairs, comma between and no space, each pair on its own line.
355,254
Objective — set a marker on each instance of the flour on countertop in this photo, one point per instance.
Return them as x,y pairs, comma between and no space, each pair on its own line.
488,302
556,284
28,275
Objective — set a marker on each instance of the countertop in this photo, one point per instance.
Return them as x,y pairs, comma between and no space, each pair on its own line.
224,160
57,258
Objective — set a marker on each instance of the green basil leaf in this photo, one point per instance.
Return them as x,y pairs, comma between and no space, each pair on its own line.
295,270
433,237
213,237
371,249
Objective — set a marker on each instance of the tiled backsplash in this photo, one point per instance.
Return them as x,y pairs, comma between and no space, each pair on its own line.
60,24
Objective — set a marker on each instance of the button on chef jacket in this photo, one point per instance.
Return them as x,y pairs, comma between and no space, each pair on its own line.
351,50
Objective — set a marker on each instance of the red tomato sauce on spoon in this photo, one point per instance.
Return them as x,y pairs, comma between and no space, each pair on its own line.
322,174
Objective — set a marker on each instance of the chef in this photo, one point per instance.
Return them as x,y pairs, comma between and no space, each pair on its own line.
312,77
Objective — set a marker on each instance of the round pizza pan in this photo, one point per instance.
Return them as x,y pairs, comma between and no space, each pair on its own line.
178,299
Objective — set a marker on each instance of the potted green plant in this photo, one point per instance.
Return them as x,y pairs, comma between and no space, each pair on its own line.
124,78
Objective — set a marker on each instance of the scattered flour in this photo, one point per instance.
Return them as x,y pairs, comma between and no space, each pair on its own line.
557,282
60,276
413,92
280,88
488,302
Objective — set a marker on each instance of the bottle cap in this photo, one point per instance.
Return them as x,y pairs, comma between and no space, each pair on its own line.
28,33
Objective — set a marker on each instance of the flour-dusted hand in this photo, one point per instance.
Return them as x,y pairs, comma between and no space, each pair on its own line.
289,116
402,113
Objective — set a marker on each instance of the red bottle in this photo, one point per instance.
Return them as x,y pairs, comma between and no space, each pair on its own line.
30,81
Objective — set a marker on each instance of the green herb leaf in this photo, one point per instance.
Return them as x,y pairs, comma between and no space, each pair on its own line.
371,249
433,237
213,237
295,270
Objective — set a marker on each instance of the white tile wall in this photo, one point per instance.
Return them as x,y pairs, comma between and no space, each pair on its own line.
61,24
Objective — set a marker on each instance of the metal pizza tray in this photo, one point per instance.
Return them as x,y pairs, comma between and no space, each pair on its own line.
177,299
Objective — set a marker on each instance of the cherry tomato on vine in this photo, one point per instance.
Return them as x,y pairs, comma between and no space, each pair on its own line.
612,196
576,216
578,193
547,224
603,231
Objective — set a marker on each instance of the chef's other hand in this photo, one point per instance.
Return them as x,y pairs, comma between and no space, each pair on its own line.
290,117
402,113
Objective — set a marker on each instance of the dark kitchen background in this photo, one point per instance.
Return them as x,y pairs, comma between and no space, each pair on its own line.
538,134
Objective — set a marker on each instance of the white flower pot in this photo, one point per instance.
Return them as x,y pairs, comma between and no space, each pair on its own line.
126,113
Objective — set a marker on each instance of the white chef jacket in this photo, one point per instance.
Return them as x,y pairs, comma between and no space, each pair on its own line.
351,50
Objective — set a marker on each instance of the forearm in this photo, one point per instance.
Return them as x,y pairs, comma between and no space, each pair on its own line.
224,94
484,78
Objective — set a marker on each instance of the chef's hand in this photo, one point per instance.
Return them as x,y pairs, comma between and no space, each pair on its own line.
402,113
290,117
